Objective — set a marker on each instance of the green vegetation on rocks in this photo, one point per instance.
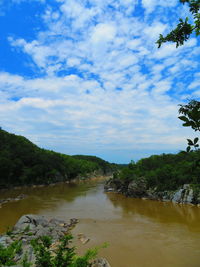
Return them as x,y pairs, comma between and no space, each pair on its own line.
159,177
40,242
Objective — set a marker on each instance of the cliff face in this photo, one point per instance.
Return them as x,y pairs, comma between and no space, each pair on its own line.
138,189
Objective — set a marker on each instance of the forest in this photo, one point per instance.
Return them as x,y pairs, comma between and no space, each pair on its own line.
24,163
164,172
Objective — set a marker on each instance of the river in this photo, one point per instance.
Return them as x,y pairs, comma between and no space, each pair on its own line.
140,233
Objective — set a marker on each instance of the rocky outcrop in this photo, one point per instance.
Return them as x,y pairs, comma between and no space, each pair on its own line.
138,189
31,227
12,199
101,262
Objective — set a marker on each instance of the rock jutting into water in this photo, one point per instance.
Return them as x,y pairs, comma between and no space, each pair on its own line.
30,227
138,189
12,199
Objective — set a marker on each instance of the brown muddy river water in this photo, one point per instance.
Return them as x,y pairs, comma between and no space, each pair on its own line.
140,233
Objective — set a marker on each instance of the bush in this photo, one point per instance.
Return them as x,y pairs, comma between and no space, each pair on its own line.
47,254
7,254
63,256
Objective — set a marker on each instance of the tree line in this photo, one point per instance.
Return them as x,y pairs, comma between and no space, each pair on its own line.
24,163
164,172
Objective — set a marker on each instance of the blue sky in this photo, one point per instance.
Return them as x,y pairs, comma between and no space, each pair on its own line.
86,77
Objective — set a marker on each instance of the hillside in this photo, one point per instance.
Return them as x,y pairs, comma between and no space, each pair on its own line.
153,177
105,166
24,163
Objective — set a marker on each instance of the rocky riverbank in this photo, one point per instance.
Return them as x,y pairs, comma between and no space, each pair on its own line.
138,189
33,227
12,199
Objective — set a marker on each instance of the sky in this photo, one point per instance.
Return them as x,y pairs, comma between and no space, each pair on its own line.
86,77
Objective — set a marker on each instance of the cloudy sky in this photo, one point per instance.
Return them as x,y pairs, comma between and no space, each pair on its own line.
86,77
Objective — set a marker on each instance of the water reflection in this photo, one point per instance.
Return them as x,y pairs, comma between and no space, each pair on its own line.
141,233
39,200
162,212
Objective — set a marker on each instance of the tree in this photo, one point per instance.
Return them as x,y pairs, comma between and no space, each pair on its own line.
184,28
182,32
191,118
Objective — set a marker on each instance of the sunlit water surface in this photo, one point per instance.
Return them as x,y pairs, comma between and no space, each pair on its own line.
140,233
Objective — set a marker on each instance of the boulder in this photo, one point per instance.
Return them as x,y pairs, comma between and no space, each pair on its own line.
30,222
184,195
101,262
137,188
113,185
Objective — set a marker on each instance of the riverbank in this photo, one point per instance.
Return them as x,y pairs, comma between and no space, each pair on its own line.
138,189
92,177
22,196
38,241
139,232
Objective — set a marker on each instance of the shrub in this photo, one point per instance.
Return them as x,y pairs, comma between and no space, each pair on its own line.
7,254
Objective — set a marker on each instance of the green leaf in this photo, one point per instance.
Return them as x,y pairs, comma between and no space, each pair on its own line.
187,124
190,143
183,118
196,140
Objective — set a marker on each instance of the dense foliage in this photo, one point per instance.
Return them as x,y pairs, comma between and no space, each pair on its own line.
184,28
63,255
106,167
164,172
22,162
7,254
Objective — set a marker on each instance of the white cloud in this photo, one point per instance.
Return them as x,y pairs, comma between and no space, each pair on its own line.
104,83
103,33
150,5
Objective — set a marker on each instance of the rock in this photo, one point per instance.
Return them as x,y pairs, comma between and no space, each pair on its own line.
184,195
4,201
188,196
41,231
29,251
30,222
54,222
83,238
73,223
137,188
5,240
101,262
110,189
32,226
186,186
113,185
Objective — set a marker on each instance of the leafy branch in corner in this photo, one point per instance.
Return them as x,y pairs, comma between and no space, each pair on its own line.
184,28
191,118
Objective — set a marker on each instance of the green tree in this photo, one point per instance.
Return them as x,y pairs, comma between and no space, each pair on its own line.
191,111
184,28
191,118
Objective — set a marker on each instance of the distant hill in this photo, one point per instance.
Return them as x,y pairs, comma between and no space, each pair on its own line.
105,166
24,163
